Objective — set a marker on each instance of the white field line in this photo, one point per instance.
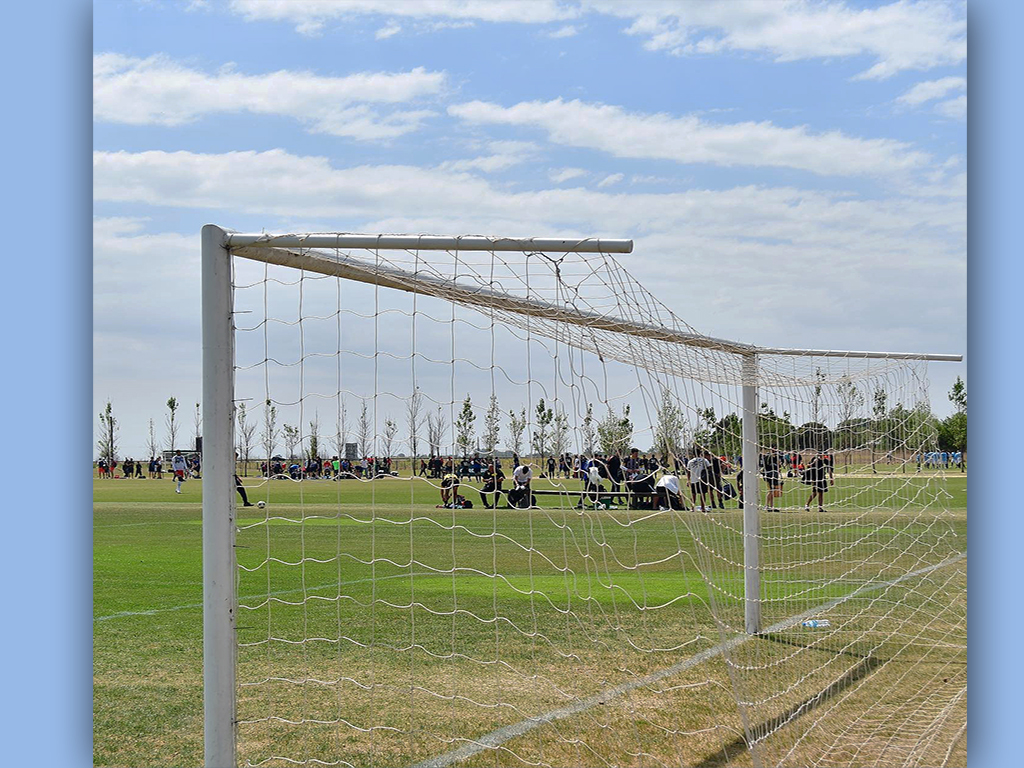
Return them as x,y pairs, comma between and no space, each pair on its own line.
187,606
496,738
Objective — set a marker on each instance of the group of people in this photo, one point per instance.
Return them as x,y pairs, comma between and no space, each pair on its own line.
334,468
634,482
518,496
133,468
818,473
637,481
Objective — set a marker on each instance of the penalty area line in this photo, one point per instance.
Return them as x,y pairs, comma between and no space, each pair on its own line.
495,739
187,606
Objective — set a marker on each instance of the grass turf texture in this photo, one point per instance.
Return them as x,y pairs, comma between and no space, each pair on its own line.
401,630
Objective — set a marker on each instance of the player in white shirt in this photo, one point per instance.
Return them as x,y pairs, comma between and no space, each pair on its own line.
593,483
521,477
696,467
669,496
179,466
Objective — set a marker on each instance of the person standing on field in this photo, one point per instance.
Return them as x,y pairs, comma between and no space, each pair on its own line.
713,479
697,467
770,467
817,475
179,466
241,491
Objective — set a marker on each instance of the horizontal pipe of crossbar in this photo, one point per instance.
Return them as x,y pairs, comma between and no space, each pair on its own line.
345,266
851,353
434,243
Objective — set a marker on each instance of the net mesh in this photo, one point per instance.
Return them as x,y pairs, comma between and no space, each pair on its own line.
598,617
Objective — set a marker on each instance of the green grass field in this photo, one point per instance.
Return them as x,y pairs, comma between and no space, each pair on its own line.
393,631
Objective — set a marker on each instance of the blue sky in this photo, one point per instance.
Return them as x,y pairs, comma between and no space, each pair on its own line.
792,173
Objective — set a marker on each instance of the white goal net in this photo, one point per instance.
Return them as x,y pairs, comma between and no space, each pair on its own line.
672,586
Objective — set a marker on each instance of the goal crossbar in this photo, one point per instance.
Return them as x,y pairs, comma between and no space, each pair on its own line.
290,251
433,243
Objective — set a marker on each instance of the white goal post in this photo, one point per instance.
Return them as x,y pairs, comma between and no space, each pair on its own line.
325,254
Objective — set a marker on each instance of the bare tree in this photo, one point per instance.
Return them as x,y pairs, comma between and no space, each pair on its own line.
437,425
364,431
540,435
292,437
341,429
107,444
414,419
388,436
516,426
313,452
559,433
152,446
589,431
197,430
668,429
464,429
878,410
492,426
270,431
615,431
819,379
851,400
246,436
172,427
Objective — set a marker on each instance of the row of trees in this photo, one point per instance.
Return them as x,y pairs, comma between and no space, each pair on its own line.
108,444
552,434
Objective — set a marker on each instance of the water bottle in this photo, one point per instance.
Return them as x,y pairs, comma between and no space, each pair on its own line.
815,623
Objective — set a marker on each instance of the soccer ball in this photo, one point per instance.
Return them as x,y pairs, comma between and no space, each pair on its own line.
261,504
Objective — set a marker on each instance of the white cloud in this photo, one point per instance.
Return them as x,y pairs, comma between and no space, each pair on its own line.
389,31
158,90
565,174
565,31
276,183
953,108
504,155
900,36
610,180
310,16
689,139
903,35
932,89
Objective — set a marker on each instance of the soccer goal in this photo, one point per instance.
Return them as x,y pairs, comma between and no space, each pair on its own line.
514,511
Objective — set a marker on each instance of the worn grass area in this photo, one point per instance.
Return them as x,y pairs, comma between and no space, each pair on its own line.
375,628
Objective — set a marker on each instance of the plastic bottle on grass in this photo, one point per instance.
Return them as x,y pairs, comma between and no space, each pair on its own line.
813,623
